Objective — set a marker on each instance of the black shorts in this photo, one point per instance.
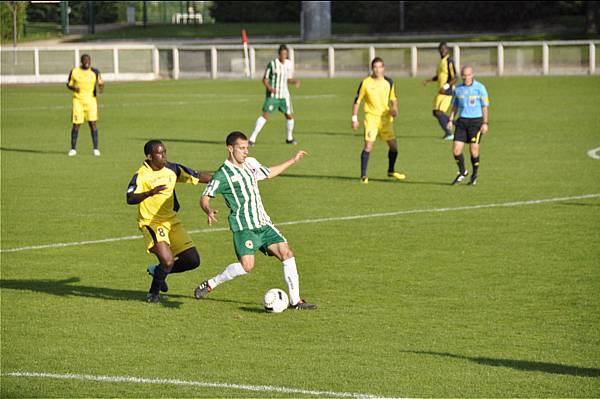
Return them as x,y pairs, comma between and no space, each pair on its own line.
468,130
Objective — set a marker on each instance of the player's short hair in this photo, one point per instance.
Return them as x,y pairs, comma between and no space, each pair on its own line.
83,56
150,144
376,60
281,48
442,44
233,137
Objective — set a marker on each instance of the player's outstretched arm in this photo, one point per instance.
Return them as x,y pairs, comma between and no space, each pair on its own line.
278,169
133,199
211,213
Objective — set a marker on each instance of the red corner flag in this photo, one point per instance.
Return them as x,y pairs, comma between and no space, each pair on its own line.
244,37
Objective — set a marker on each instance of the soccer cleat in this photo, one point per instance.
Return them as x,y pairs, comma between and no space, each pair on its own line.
460,177
163,287
251,143
292,142
364,180
303,305
96,152
152,298
72,153
397,175
448,137
473,181
202,290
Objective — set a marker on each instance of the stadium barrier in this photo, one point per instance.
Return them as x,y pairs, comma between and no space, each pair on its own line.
149,62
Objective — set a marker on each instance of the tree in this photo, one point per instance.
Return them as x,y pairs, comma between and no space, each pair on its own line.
16,15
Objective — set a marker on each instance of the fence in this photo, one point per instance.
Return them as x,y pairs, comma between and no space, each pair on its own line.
149,62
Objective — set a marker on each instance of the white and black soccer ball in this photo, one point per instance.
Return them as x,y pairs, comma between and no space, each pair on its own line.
275,301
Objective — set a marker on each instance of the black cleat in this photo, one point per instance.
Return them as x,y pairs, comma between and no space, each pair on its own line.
292,142
163,287
303,305
460,177
152,298
473,181
202,290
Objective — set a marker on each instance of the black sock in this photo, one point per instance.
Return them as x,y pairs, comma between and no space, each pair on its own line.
159,277
460,161
95,138
443,121
475,162
392,155
74,133
364,161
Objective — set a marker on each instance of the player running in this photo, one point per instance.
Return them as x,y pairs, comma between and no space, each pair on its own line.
84,81
378,92
446,78
237,180
470,103
152,188
277,76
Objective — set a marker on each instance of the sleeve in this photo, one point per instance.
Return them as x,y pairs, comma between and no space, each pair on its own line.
184,174
483,97
261,172
360,93
451,69
97,72
70,79
269,70
392,91
215,185
134,187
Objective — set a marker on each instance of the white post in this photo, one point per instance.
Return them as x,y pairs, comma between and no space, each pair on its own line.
456,56
500,60
331,61
76,54
252,62
36,63
116,61
545,59
155,63
175,63
213,62
413,61
592,58
371,54
291,54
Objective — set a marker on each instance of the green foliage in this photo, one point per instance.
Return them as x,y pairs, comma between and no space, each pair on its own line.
6,18
104,11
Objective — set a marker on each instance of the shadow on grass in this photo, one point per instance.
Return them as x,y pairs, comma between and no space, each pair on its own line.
227,301
357,180
188,141
253,309
521,365
31,151
66,288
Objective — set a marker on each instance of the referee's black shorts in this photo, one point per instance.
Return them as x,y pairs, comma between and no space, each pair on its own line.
468,130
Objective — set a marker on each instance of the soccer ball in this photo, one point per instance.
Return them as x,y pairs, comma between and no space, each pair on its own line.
275,301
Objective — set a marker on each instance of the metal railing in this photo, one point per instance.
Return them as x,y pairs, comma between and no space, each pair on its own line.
149,62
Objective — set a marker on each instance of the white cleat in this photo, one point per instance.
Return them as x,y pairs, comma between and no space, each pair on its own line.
72,153
97,153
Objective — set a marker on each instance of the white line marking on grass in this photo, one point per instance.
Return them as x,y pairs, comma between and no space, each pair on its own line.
321,220
593,153
202,384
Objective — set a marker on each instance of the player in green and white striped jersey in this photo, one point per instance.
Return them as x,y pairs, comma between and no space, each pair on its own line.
237,180
278,74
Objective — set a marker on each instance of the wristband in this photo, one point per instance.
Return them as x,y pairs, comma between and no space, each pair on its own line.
446,86
485,123
354,118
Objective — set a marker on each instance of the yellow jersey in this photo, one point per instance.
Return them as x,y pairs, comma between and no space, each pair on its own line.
86,80
446,71
377,94
161,207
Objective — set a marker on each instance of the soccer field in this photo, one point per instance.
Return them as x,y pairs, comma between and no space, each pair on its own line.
424,289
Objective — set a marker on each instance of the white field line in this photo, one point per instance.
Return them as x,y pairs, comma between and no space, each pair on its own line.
320,220
200,384
593,153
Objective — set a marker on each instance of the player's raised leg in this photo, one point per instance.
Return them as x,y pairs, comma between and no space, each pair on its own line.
244,266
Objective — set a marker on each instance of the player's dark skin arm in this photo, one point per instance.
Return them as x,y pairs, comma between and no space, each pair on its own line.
133,199
73,88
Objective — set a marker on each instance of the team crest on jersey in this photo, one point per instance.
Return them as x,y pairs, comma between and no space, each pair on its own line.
270,107
249,244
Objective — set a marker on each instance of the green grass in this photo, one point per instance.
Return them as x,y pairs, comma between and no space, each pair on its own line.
36,31
489,302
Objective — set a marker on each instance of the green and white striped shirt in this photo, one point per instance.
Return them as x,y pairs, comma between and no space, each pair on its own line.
239,186
277,74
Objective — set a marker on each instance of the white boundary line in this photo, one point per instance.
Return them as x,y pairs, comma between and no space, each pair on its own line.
593,153
201,384
320,220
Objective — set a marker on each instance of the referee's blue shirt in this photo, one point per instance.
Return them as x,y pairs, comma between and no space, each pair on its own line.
470,100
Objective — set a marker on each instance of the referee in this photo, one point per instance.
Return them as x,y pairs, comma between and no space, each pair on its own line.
470,104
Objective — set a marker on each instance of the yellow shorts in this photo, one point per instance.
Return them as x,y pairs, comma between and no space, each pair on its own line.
84,110
173,234
382,126
442,102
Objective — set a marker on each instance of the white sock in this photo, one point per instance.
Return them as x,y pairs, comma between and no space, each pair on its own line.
260,122
290,275
289,129
232,271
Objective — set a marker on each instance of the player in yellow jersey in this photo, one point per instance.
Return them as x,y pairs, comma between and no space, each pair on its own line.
446,78
84,81
378,92
152,188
